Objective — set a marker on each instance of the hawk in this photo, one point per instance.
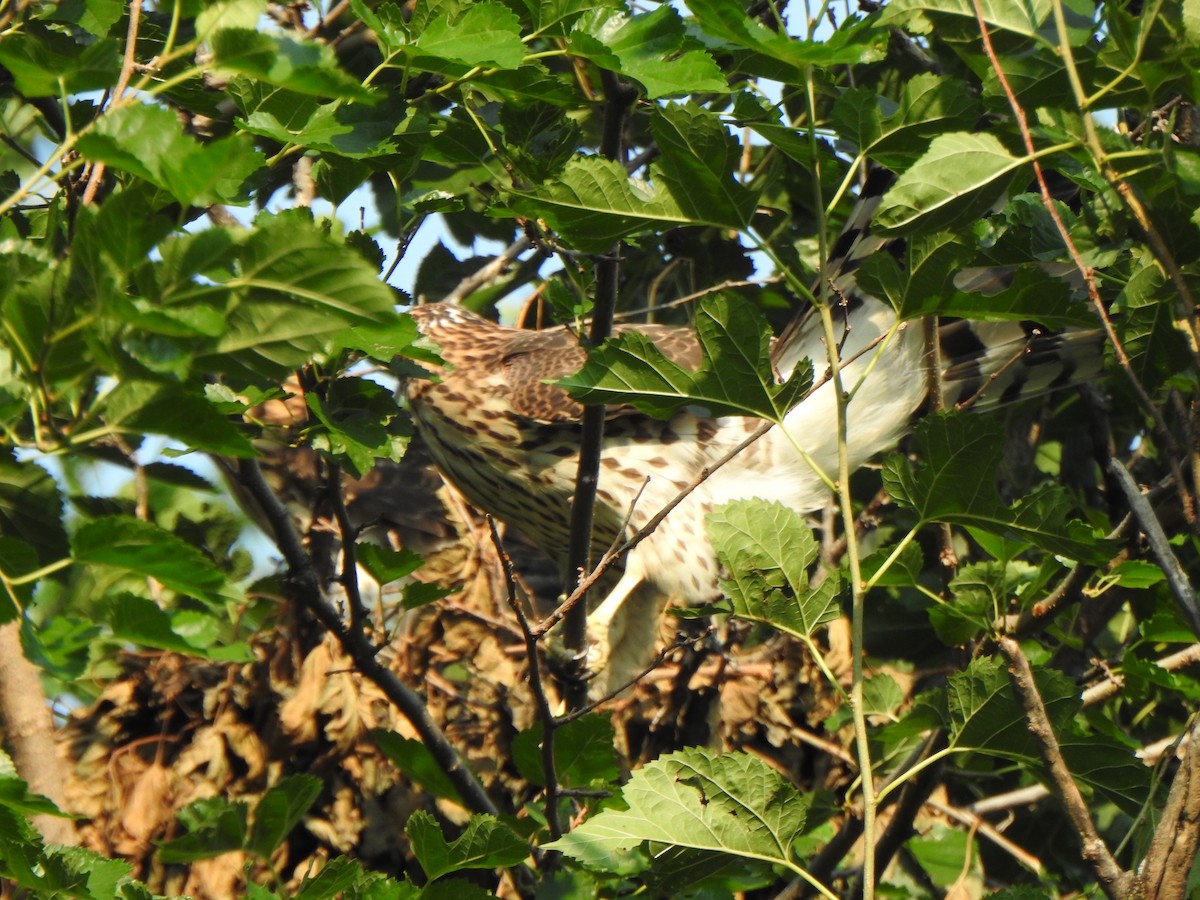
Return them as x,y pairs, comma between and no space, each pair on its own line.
509,440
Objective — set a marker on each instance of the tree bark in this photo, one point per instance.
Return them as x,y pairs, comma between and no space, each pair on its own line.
29,733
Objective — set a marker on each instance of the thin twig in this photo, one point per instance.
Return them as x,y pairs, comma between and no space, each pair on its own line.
988,830
305,588
489,272
545,713
612,556
349,536
1115,882
128,64
1177,580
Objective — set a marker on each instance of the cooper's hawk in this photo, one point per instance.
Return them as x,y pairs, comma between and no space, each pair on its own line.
509,441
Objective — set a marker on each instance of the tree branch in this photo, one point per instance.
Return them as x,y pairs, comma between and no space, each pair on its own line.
1115,882
1173,850
1177,580
305,589
617,99
29,733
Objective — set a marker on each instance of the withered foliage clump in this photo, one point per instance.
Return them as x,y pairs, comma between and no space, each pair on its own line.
171,730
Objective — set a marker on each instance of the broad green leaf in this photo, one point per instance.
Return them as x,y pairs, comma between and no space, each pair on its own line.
298,287
360,422
31,508
652,48
15,795
1025,19
215,826
984,714
734,378
229,14
486,843
488,33
96,17
733,804
304,67
413,759
767,549
351,130
594,203
958,179
776,54
896,133
189,631
49,64
700,158
280,810
147,141
584,752
386,565
145,407
142,548
946,854
979,594
343,878
954,485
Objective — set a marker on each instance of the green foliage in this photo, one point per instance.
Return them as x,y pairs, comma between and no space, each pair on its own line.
734,378
163,296
697,802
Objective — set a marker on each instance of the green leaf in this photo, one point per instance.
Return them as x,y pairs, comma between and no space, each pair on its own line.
228,14
767,549
297,289
416,762
301,66
487,34
958,178
776,54
594,203
147,141
979,595
733,804
146,407
948,487
584,752
145,549
734,378
984,714
49,64
215,826
280,810
31,508
15,795
894,134
700,158
361,423
485,843
188,631
652,48
386,565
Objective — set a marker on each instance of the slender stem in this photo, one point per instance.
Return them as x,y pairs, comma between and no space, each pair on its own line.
857,587
617,99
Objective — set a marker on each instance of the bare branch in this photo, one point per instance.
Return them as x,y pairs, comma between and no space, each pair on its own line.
1177,580
305,589
1173,850
1115,882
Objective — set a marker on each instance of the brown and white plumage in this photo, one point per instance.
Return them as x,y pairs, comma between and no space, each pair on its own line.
509,440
